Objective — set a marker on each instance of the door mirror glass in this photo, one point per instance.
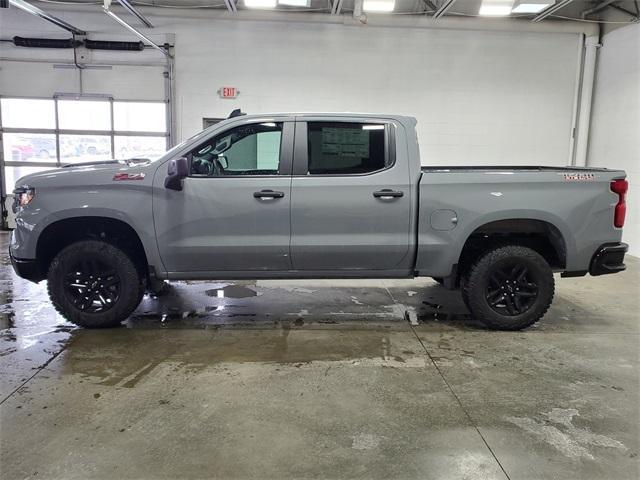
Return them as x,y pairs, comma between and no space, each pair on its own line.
223,161
177,170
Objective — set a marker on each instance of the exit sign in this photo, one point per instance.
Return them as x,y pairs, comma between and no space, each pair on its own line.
228,92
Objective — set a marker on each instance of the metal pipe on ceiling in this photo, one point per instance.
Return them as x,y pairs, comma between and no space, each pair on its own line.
337,7
444,8
231,6
137,33
33,10
551,10
597,8
135,13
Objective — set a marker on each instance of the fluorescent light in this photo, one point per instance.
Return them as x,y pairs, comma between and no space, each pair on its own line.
373,127
494,11
378,5
295,3
530,6
495,8
260,3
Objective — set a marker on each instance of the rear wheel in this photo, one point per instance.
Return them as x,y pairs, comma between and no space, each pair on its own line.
509,288
94,284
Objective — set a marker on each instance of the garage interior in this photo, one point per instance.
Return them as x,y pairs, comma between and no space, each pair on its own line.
275,379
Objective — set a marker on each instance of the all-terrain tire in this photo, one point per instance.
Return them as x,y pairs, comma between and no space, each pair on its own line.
93,252
494,294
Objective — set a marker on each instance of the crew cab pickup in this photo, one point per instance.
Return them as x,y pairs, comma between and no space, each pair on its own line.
314,196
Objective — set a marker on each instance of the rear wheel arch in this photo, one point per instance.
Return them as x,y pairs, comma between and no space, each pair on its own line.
541,236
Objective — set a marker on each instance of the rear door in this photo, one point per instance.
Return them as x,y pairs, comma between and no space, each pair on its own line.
233,211
350,196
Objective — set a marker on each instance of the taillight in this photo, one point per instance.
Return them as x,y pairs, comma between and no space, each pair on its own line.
620,187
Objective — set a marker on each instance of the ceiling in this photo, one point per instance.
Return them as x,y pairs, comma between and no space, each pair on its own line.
593,10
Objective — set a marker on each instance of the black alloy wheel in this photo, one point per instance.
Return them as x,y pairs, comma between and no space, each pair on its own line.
92,286
511,289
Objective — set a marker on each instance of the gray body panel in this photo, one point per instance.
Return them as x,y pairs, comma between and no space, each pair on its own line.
581,210
337,223
324,226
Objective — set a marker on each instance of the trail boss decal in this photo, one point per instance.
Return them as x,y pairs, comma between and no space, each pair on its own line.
118,177
579,177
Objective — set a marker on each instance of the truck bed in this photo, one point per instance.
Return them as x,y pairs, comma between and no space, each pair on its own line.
575,204
521,168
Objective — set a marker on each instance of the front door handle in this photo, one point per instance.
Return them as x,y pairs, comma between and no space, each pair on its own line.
268,194
387,194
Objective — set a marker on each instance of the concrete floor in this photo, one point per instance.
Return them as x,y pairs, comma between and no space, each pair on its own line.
321,379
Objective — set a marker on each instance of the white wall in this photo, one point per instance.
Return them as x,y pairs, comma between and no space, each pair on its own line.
480,97
615,121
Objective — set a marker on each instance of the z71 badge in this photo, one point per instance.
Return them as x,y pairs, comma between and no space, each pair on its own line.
579,177
118,177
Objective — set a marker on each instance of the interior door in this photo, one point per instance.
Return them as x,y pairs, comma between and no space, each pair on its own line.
233,211
350,197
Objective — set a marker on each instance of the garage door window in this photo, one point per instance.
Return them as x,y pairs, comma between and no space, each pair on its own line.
339,148
38,133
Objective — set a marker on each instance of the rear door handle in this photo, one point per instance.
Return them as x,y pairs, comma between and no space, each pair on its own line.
387,193
266,194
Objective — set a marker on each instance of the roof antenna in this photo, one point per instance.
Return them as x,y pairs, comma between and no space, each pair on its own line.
236,113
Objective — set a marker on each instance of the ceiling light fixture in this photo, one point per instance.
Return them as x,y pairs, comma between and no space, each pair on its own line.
495,8
260,3
295,3
530,6
379,5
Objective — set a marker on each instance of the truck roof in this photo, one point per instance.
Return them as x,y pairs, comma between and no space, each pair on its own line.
400,118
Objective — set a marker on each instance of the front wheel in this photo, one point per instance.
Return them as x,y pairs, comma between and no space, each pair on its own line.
509,288
94,284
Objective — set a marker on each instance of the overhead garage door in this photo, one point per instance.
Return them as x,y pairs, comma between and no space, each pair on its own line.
59,115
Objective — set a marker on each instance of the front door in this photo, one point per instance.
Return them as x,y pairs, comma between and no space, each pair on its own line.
233,211
350,198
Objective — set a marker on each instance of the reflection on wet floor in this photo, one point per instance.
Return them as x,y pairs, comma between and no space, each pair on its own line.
31,331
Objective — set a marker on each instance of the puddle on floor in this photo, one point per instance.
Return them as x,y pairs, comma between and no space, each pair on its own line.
232,291
105,357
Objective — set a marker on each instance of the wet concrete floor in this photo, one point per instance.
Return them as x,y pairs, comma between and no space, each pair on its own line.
321,379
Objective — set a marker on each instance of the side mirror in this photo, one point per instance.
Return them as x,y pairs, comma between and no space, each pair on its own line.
176,171
223,161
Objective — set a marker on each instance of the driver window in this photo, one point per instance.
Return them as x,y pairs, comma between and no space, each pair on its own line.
246,150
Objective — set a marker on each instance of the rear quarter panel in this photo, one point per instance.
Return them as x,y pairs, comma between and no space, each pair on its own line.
582,210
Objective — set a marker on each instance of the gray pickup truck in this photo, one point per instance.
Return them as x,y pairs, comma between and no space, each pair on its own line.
314,196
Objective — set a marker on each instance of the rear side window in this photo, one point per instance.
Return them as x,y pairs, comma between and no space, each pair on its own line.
337,148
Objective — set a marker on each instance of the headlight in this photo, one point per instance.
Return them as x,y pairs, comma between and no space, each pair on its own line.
22,197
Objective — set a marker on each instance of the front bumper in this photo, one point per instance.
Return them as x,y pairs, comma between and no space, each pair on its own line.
26,268
609,258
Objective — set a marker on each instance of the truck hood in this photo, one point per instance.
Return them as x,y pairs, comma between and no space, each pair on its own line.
88,173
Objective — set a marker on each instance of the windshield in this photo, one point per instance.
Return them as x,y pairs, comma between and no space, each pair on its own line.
181,145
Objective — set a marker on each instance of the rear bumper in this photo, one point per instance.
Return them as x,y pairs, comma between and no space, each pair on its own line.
27,269
609,258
